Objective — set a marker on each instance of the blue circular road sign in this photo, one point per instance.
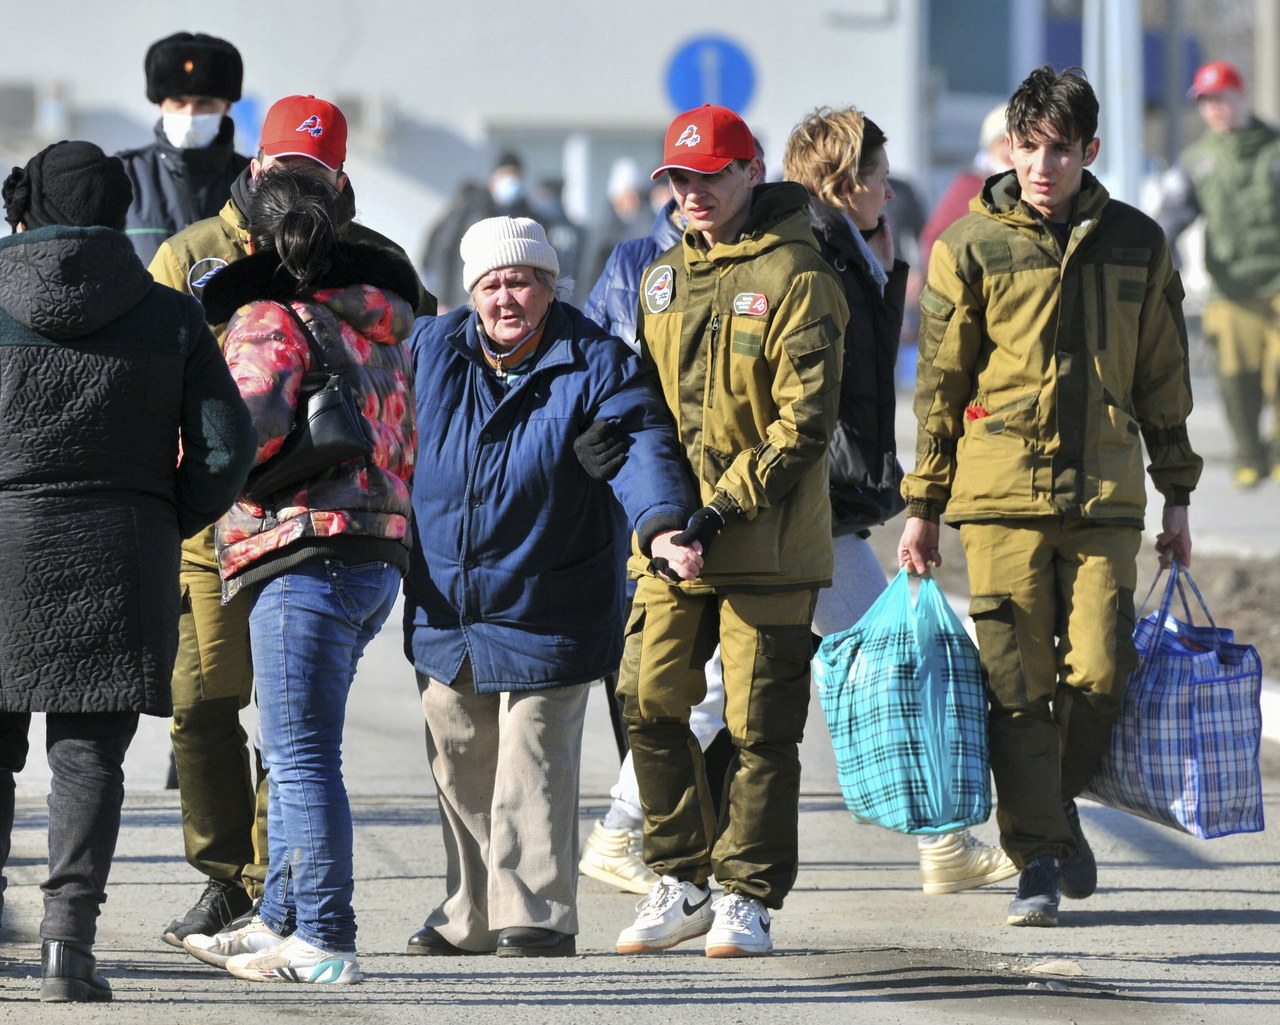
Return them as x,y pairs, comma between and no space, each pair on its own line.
711,69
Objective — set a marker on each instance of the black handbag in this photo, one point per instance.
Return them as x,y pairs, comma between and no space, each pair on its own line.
328,428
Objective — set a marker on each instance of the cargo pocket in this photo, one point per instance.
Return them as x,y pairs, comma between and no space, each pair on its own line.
780,683
1001,655
629,670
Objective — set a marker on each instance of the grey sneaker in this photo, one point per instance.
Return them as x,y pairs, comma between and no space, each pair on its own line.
673,912
1037,899
1080,871
252,937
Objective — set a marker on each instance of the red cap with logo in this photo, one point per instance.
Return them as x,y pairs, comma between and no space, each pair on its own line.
1215,77
302,126
706,139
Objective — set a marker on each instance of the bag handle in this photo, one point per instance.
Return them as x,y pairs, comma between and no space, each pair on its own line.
1177,574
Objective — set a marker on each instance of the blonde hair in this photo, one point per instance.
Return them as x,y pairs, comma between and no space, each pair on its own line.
828,148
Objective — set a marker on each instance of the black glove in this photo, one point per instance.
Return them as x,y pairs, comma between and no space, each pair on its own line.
602,449
703,526
662,567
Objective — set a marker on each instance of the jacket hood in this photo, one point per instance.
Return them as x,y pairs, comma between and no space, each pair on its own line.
64,282
832,227
254,278
1001,197
1244,143
237,213
777,217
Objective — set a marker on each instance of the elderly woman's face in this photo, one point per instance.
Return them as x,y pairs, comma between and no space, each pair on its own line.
511,302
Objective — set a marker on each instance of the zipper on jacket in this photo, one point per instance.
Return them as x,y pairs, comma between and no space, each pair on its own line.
1100,299
711,362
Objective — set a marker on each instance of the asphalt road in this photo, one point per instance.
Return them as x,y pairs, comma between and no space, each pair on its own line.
1181,930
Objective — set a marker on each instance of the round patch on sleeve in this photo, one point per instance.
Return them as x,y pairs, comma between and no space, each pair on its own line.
659,288
201,272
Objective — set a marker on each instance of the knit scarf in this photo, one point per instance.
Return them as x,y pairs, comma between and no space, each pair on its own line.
878,274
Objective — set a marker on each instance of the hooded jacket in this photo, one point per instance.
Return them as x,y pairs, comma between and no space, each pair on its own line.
359,318
865,475
747,338
1044,368
517,561
174,187
101,370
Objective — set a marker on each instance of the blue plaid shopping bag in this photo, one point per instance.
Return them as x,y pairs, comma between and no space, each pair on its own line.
1184,751
903,695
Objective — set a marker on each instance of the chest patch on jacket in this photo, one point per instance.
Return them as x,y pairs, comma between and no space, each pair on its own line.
751,304
659,288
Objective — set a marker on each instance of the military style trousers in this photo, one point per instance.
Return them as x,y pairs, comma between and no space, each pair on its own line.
223,820
1246,337
1052,603
766,648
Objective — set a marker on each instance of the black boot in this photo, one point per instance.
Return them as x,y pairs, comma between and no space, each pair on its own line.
67,973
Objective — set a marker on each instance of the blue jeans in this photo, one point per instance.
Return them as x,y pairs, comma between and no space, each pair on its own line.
308,628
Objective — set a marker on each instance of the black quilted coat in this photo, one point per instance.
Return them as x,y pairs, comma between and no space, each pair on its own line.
100,370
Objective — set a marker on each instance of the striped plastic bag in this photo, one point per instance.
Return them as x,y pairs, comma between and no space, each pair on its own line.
903,695
1184,750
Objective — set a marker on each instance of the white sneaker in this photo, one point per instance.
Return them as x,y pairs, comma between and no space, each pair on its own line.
251,938
612,856
295,960
672,913
741,928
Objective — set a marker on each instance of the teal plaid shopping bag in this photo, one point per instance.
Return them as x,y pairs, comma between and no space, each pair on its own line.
903,695
1184,750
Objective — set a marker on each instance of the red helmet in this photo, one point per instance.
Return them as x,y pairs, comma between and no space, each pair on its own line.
1215,77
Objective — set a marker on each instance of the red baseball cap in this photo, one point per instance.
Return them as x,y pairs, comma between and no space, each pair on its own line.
302,126
1215,77
706,139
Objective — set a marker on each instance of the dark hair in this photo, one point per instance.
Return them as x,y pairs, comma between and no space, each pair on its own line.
1061,100
298,216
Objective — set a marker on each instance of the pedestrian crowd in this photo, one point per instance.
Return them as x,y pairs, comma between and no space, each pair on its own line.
239,427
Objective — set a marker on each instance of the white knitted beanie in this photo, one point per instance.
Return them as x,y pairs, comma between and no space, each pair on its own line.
505,242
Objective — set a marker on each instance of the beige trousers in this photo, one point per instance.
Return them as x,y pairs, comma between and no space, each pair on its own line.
506,769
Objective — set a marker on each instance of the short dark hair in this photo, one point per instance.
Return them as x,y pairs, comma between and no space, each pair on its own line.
1062,100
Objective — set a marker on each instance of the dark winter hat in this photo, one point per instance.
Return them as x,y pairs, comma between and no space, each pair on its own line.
71,183
193,65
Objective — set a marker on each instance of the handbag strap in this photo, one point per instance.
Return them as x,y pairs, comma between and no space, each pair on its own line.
313,343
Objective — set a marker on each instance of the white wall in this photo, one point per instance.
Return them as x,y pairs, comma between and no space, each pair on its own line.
461,73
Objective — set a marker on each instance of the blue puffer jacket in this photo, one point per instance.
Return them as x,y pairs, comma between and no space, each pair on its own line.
517,551
613,301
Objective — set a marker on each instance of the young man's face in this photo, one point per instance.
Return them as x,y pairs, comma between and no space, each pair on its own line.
716,204
1050,169
1223,112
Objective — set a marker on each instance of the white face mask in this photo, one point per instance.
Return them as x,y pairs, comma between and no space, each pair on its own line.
191,131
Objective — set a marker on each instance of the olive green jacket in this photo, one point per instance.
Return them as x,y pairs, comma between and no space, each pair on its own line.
1233,179
747,338
1042,369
